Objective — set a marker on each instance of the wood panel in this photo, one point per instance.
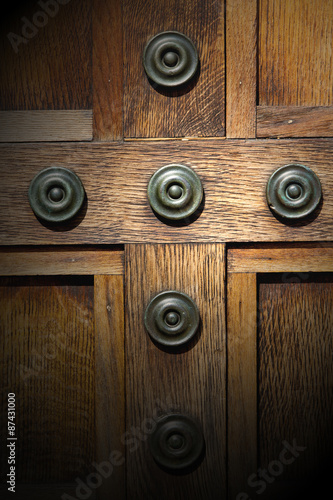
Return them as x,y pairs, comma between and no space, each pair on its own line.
110,384
296,377
294,121
107,69
241,68
234,176
300,258
47,360
295,53
198,108
46,125
191,381
50,67
67,260
242,381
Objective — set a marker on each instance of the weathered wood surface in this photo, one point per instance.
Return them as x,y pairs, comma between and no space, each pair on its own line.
294,121
242,380
295,53
107,64
301,258
191,381
197,109
110,384
51,69
46,126
295,375
47,360
34,261
234,176
241,68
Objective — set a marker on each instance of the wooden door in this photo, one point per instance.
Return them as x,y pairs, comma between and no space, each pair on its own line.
90,384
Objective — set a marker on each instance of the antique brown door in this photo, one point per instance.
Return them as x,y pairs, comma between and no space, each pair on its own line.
166,249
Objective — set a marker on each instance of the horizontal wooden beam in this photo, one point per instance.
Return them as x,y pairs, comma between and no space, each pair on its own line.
294,121
61,261
279,260
115,176
46,125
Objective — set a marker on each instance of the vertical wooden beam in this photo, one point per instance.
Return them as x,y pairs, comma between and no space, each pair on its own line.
241,68
110,384
242,381
191,380
107,70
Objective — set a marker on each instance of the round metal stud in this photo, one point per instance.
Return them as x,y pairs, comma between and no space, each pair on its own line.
293,192
172,318
170,59
56,194
177,442
175,192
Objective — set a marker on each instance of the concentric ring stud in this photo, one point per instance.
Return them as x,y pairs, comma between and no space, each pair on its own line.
293,192
175,192
171,318
170,59
56,194
177,442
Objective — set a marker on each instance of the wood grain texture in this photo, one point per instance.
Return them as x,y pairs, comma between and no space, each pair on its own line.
45,125
234,176
304,258
107,69
295,53
47,360
294,121
196,110
60,261
191,382
296,375
110,383
52,68
242,380
43,491
241,68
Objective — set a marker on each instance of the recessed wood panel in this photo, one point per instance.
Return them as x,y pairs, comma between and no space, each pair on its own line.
45,56
295,378
234,175
191,380
47,360
295,53
198,108
294,121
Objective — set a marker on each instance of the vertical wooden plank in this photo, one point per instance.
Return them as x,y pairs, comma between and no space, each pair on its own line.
45,56
241,68
48,361
107,70
191,380
295,375
295,53
242,381
110,384
196,109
